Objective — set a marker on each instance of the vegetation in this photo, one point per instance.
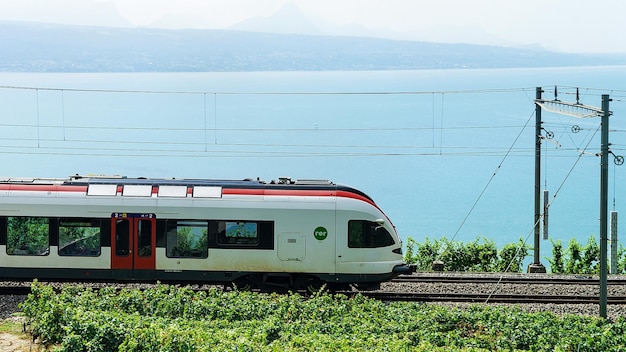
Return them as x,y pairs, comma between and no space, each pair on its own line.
479,255
579,259
168,318
482,255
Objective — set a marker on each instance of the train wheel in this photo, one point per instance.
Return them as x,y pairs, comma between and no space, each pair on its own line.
313,285
246,283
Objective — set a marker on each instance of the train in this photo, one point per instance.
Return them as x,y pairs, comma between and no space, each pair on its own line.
279,235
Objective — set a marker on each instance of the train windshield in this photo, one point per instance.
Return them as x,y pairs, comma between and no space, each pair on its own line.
368,234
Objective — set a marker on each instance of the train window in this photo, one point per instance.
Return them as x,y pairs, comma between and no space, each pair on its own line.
241,234
122,237
79,237
3,230
237,232
28,236
367,234
144,238
187,239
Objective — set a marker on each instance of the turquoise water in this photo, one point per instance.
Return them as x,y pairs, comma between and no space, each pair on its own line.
443,152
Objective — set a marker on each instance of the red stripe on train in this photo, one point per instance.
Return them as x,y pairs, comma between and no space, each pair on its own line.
42,188
296,192
228,191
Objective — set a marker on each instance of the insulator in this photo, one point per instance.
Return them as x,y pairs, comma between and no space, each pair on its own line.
556,94
545,214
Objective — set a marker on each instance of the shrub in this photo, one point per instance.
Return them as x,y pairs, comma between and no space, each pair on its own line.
512,257
590,263
96,321
478,255
621,259
577,259
483,254
574,261
426,254
557,260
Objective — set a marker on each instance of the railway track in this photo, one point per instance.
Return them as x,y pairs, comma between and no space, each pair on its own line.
437,297
489,298
469,296
495,279
467,282
14,290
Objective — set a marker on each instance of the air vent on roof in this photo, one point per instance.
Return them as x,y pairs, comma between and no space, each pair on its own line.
19,180
313,182
285,180
80,177
31,180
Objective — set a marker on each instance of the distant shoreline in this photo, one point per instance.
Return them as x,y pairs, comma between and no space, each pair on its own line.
37,47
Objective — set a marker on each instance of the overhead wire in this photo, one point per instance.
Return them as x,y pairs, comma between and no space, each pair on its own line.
147,91
480,149
142,130
255,129
355,149
35,150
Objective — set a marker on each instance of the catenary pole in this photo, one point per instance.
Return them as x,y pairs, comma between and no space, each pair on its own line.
583,111
536,266
604,191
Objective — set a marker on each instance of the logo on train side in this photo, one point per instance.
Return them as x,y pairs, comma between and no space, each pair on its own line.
320,233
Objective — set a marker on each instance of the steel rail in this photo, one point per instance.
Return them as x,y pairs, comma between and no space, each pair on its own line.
488,298
433,297
506,279
14,290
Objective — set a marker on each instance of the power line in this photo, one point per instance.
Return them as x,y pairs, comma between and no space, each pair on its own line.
80,146
256,129
465,91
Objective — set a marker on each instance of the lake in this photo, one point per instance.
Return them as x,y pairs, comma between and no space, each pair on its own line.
443,152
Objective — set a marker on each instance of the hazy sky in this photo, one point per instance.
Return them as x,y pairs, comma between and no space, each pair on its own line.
559,25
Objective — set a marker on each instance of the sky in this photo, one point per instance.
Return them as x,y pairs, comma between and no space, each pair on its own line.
574,26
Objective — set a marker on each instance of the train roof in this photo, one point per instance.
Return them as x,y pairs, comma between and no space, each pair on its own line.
281,183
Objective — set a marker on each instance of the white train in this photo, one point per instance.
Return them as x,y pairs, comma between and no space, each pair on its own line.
278,235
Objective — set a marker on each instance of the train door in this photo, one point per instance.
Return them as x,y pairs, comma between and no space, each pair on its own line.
133,245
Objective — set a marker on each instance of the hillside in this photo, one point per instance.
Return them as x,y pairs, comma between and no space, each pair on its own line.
34,47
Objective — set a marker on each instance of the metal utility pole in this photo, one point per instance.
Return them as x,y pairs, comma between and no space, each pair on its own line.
536,266
580,110
604,191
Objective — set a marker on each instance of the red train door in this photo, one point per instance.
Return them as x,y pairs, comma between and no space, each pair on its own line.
133,245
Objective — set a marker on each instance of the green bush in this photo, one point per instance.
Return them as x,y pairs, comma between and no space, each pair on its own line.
512,257
557,264
591,257
576,259
178,319
479,255
574,251
482,255
621,259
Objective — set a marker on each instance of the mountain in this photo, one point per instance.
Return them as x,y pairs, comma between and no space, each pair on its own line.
289,19
36,47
